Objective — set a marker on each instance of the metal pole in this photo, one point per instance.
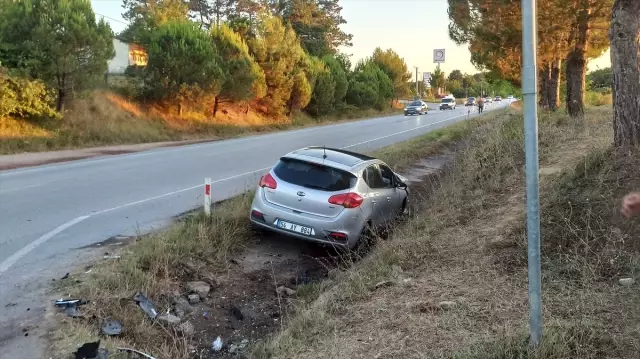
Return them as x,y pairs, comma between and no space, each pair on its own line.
529,89
417,91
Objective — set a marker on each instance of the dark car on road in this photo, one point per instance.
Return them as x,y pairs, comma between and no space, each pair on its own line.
417,107
471,101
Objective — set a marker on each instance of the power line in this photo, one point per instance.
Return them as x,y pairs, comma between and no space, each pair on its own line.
110,18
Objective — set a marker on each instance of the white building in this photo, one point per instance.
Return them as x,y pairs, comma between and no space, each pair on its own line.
126,55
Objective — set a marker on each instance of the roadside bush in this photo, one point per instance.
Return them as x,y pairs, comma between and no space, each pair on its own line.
20,97
598,98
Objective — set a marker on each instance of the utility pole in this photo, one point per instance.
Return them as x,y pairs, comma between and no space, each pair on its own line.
529,88
417,91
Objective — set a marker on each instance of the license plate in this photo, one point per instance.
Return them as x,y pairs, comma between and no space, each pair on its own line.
294,227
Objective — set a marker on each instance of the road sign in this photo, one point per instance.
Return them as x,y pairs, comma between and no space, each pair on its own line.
426,78
438,56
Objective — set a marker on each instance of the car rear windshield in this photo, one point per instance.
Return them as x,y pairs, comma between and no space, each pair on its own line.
447,100
314,176
416,103
471,98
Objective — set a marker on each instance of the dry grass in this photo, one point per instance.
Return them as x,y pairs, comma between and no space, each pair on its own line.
468,247
155,265
105,118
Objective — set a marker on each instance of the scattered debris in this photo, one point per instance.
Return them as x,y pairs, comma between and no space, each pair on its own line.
169,318
383,284
193,298
216,346
187,328
65,276
233,261
199,287
107,256
11,305
112,327
136,352
66,303
626,281
236,313
447,305
243,344
282,290
87,350
145,305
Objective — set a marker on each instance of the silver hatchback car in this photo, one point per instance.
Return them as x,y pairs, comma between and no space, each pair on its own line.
329,196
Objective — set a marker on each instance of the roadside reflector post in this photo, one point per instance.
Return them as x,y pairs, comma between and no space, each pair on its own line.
207,196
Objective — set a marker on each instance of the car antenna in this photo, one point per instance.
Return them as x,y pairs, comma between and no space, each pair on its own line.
324,155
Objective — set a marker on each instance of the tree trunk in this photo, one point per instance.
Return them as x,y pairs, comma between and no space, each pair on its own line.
216,103
180,108
543,83
61,99
624,35
553,91
577,63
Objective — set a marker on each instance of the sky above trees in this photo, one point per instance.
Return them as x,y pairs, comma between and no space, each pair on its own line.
413,28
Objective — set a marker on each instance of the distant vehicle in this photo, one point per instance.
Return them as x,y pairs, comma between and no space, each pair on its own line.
329,196
488,99
418,107
510,97
497,99
471,101
448,103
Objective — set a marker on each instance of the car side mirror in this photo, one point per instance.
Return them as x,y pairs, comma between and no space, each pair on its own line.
402,185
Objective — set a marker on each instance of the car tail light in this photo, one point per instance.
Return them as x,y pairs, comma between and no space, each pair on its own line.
346,200
268,181
257,215
338,236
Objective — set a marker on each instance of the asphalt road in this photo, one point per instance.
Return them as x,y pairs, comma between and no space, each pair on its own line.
47,211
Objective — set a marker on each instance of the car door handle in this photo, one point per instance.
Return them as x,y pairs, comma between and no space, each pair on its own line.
388,198
374,201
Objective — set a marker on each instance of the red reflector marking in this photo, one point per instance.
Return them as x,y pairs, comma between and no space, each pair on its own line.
207,189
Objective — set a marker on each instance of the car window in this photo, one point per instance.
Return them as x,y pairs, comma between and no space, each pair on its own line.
416,103
447,100
388,177
372,177
314,176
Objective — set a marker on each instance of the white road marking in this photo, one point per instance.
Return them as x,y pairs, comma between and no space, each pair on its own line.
401,132
7,263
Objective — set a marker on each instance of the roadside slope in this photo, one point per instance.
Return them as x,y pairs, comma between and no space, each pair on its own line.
453,282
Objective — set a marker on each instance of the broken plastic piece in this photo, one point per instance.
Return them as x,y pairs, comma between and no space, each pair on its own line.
112,327
136,352
216,346
66,303
145,305
111,257
87,350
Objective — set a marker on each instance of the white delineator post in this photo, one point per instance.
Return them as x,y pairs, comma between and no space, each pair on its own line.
207,196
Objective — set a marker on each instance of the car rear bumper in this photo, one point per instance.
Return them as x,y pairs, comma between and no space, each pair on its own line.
348,222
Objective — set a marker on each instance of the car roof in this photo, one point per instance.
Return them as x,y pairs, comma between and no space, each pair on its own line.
334,157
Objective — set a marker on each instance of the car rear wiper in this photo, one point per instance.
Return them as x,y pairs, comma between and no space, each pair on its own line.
315,187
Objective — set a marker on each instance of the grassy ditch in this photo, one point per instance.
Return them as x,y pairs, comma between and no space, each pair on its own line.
455,278
197,248
103,118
